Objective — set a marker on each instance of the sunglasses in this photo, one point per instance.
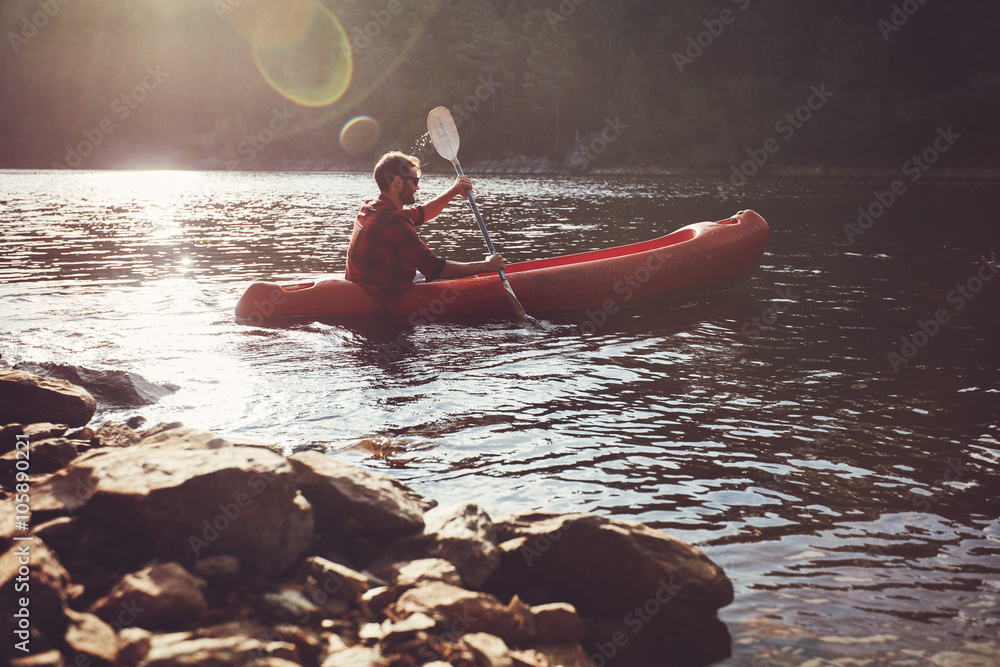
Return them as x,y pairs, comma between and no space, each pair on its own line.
415,179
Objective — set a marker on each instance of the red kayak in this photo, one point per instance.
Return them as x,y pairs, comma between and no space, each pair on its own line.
702,257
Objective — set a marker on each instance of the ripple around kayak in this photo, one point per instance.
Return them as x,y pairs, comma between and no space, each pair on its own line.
701,257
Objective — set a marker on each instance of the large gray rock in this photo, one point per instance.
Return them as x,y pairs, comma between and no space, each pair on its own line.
326,577
630,579
114,434
557,622
49,658
161,596
26,398
346,498
463,535
228,648
112,386
489,650
90,640
185,495
45,456
407,574
466,611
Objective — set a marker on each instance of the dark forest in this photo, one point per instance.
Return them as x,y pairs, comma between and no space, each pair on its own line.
267,84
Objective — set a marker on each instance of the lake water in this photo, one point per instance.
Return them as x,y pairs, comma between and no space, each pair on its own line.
853,504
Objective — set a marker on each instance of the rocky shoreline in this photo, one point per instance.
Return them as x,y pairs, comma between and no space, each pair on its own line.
170,546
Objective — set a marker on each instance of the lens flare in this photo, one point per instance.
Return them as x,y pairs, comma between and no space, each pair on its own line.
359,135
302,51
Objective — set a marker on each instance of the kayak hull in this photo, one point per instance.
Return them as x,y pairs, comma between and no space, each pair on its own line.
701,257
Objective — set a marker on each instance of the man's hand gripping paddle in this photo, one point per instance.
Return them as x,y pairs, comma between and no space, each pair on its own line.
444,134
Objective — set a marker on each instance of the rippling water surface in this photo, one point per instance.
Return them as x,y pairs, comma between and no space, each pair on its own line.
854,507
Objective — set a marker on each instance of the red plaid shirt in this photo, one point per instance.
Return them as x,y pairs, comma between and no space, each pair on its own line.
385,251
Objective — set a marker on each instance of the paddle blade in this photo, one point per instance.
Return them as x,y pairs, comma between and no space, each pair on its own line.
444,134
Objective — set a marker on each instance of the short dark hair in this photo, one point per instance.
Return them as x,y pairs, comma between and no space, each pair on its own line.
391,165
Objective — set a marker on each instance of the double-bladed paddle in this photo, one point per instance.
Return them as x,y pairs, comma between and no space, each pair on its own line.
444,135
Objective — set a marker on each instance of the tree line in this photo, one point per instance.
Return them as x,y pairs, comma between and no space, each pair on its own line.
584,83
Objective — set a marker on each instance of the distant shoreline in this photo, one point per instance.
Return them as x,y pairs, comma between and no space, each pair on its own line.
526,166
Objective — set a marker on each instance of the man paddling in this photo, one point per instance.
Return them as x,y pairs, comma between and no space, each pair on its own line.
385,252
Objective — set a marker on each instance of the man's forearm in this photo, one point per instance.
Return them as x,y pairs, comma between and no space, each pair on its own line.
461,269
433,208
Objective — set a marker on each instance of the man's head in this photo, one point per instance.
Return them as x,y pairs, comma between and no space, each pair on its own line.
399,174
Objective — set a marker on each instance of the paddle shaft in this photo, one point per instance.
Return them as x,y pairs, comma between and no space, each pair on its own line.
479,217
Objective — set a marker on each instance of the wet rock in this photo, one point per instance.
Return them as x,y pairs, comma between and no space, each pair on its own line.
135,421
26,398
222,570
307,642
290,604
404,629
49,582
561,655
460,534
187,497
44,431
92,639
61,533
271,661
489,650
338,580
465,611
557,622
330,643
162,596
50,658
113,387
407,574
133,646
162,427
8,437
8,522
44,456
346,498
616,571
85,434
114,434
356,656
184,649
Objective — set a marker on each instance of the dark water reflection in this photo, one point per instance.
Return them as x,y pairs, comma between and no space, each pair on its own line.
853,506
